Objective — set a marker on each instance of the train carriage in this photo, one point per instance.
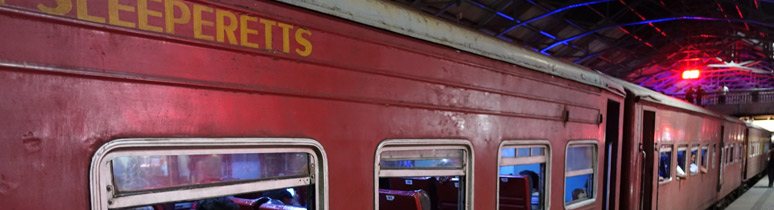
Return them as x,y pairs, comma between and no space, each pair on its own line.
757,141
176,104
158,104
683,156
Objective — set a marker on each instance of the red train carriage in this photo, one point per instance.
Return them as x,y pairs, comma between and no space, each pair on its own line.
171,104
683,156
757,140
275,107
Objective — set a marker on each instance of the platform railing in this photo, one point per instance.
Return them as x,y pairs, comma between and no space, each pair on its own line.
736,97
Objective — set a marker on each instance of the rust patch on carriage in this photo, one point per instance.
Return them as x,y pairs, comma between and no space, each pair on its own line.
31,143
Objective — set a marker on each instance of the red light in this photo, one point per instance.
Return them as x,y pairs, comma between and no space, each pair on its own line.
691,74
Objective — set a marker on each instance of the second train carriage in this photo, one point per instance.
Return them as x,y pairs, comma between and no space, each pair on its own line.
681,156
175,101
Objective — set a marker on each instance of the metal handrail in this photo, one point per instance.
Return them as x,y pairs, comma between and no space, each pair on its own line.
735,97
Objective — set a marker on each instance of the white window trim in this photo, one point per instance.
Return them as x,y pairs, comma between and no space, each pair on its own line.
413,144
706,160
682,147
100,177
666,148
595,170
525,161
696,147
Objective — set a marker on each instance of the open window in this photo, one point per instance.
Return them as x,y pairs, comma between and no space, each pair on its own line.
580,173
665,164
423,174
704,158
693,162
523,175
680,171
182,173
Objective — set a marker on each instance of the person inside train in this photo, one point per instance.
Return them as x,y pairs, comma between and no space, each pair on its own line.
221,203
279,197
578,194
693,168
680,172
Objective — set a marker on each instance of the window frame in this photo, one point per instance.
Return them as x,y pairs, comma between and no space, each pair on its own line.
595,173
516,143
412,144
102,192
704,168
684,147
671,148
696,147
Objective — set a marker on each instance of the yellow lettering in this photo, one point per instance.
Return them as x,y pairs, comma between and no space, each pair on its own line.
221,27
83,12
143,13
62,7
303,42
268,24
169,9
113,8
244,31
285,36
198,22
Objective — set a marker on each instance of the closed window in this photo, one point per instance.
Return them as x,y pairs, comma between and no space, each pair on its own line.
181,173
523,174
426,174
580,168
665,164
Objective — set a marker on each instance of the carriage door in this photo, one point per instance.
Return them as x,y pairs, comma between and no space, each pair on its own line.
745,150
722,153
611,154
648,143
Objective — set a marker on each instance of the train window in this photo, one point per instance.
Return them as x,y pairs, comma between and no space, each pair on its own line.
523,175
579,181
665,164
423,174
731,154
704,156
680,170
693,167
182,173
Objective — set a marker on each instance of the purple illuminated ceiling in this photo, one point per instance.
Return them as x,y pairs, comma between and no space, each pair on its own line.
648,42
